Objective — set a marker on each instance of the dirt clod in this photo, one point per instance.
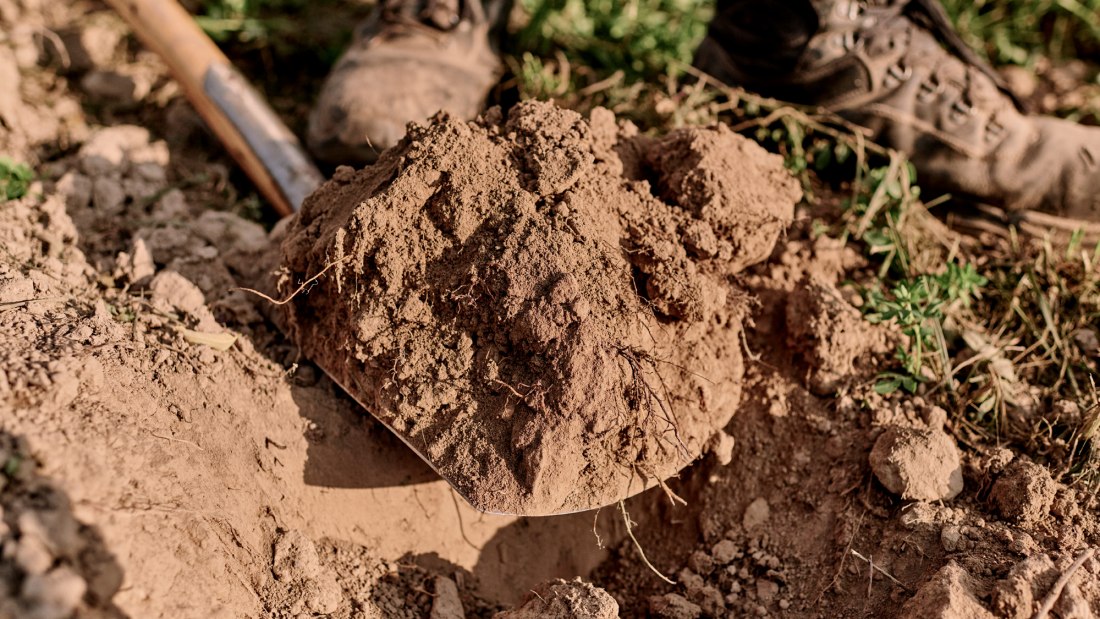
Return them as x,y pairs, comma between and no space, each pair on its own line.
918,464
565,599
756,514
947,595
446,604
673,606
831,334
302,583
1025,492
515,302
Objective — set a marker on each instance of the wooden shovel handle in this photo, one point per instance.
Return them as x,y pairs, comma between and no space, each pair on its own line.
246,125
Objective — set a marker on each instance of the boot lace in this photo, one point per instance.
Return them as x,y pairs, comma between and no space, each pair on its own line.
931,14
981,85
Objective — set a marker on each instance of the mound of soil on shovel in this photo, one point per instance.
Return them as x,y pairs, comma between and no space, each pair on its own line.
542,306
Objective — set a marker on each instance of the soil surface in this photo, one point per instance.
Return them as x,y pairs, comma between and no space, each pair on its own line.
522,306
165,451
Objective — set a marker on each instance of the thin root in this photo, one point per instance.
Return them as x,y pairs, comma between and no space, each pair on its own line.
300,288
879,569
641,553
595,521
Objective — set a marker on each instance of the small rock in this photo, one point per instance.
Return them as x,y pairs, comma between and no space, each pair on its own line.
673,606
710,599
18,288
76,188
108,195
95,41
173,290
56,594
689,579
766,590
918,464
137,264
110,86
724,552
1087,341
32,555
950,536
701,562
446,604
1024,587
699,239
1025,492
756,514
721,445
947,595
109,149
227,231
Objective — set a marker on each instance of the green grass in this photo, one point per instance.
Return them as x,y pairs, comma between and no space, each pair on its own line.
641,39
15,179
1022,31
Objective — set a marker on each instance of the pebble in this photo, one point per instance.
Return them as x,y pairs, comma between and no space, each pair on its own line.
701,562
950,537
32,556
918,464
766,590
724,552
56,593
446,604
673,606
756,514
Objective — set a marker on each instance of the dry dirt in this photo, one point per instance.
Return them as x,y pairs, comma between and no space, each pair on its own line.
167,452
515,302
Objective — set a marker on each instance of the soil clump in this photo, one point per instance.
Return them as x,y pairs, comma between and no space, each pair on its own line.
543,306
247,476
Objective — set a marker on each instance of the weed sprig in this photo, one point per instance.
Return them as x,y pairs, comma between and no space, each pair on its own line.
15,179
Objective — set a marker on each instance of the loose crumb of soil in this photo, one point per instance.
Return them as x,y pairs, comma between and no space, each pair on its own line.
543,306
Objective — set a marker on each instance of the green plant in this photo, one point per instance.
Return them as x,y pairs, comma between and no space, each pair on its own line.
629,56
11,466
644,39
1022,31
918,308
15,179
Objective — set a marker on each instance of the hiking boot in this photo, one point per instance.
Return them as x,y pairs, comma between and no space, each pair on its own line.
897,68
408,60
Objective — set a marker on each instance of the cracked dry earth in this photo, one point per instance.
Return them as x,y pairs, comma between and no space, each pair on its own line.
165,451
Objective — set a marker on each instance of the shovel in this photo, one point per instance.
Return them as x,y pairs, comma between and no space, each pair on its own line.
284,174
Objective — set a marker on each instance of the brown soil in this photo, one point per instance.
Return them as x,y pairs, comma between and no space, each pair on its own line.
512,299
176,456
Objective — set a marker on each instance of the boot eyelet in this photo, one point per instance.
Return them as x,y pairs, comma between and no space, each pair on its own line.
896,75
929,90
960,111
900,73
849,41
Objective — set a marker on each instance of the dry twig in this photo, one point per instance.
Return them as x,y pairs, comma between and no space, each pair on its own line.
1063,580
